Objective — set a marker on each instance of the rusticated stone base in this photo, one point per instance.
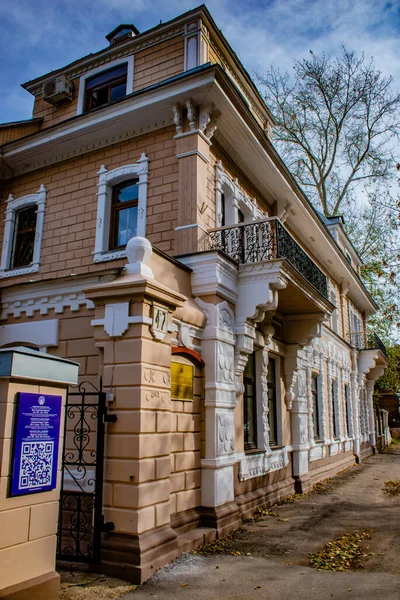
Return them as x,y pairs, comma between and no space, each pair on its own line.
44,587
302,484
330,465
223,519
267,495
136,558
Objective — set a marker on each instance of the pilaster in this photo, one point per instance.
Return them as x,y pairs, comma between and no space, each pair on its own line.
133,317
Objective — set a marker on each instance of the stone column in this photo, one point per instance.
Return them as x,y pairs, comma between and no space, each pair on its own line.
355,403
218,345
132,326
29,516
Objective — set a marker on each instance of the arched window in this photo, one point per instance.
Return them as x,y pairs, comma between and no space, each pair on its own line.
23,234
121,208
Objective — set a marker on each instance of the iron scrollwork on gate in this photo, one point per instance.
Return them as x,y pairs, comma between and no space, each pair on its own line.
81,519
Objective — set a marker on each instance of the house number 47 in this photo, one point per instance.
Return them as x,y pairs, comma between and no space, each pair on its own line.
159,326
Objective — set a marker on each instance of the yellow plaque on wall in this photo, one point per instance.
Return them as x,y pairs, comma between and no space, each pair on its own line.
181,381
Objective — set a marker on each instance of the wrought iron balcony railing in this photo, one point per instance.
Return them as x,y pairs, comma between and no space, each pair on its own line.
363,341
266,239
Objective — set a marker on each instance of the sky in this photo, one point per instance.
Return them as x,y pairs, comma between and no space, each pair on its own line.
38,36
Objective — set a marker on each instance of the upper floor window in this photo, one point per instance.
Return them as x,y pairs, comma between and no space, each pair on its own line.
106,87
23,234
124,213
24,237
121,208
104,84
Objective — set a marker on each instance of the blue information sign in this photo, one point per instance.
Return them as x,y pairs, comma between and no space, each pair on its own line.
35,452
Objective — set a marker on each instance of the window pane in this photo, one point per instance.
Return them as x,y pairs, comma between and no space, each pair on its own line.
126,225
249,381
335,432
314,392
273,438
117,91
348,413
128,192
24,237
106,77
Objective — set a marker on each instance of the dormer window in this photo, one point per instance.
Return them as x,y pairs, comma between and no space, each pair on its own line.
106,87
105,84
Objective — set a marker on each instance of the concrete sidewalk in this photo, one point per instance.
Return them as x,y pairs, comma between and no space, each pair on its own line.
278,568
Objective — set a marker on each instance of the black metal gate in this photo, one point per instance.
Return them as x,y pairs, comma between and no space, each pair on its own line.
81,519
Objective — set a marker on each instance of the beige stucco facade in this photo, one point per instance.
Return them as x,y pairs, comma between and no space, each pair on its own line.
233,257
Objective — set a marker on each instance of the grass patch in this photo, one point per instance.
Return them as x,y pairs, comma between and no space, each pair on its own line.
341,554
391,487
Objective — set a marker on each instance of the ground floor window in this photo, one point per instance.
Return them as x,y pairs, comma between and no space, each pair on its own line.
348,412
334,411
272,409
314,394
250,404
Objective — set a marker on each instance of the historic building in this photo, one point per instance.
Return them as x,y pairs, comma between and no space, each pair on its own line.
152,233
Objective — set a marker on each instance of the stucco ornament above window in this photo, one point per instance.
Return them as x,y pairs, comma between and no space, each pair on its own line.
232,202
23,234
107,181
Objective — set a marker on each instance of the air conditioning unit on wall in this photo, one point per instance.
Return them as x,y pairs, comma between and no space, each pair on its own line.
58,90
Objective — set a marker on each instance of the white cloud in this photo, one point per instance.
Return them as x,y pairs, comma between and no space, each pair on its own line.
37,37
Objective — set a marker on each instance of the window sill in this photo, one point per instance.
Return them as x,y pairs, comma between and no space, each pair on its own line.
19,271
109,255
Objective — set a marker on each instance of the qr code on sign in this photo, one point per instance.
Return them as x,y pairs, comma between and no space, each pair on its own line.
36,464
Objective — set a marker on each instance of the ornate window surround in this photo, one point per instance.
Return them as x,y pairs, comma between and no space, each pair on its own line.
235,199
13,206
114,63
107,179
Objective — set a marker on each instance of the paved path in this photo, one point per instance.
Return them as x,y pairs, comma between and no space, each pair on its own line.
278,567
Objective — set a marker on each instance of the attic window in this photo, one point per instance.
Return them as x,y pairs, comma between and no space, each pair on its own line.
121,33
106,87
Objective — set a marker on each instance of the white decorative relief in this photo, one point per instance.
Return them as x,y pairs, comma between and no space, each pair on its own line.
256,465
226,433
42,297
13,206
117,320
235,198
316,452
107,179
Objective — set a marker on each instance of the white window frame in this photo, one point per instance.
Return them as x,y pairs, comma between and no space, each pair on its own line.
13,206
107,180
235,200
129,60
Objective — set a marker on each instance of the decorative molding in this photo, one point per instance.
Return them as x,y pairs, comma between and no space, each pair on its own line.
212,273
107,179
42,297
235,199
105,60
317,452
13,206
42,334
193,153
256,465
117,320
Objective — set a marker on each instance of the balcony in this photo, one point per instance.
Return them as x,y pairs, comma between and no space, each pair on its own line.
262,240
363,341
